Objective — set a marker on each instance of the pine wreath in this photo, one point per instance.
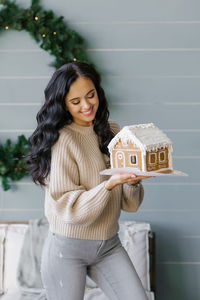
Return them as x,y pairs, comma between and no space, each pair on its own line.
54,36
51,32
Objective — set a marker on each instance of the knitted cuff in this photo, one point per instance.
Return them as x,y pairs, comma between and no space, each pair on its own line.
134,184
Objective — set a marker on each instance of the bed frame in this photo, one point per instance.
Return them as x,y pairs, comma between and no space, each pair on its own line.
152,257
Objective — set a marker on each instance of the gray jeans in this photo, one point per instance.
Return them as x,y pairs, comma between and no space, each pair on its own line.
67,261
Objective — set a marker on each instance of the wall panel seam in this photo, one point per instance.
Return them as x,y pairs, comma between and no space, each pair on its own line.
111,50
178,263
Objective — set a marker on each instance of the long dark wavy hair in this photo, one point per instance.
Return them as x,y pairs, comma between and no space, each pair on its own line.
53,115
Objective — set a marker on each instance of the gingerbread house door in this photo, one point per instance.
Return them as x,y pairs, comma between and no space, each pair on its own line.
120,159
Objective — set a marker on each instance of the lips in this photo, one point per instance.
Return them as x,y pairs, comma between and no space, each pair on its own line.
88,113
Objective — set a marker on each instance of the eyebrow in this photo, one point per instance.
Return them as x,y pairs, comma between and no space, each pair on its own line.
78,97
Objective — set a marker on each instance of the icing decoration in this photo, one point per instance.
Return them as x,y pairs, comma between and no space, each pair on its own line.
147,137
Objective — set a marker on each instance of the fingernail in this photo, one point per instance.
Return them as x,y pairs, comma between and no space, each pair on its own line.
132,175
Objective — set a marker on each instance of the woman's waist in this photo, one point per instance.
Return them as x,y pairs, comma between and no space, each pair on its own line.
96,231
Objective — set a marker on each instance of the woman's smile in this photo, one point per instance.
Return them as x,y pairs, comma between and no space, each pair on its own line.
88,112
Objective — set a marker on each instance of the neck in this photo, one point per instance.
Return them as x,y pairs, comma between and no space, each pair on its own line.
82,129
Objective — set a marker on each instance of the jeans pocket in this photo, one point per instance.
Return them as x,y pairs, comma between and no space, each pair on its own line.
101,244
108,245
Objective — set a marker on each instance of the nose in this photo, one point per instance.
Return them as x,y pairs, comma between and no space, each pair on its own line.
85,105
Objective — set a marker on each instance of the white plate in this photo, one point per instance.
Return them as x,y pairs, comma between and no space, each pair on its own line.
138,172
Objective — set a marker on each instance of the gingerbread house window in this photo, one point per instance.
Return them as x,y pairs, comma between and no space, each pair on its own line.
162,156
152,158
133,159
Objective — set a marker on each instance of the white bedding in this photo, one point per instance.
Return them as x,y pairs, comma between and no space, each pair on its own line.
91,294
97,294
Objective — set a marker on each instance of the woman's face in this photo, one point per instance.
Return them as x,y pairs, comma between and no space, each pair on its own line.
82,101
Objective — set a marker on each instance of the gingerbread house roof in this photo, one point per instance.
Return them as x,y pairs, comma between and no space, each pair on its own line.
147,137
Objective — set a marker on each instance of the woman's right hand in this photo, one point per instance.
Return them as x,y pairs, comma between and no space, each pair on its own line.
121,178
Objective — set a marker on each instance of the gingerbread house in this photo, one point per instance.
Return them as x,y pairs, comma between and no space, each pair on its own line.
142,146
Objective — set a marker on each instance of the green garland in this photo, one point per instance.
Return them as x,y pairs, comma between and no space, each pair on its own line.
54,36
12,165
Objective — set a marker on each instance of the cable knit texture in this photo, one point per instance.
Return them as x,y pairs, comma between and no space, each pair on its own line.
77,204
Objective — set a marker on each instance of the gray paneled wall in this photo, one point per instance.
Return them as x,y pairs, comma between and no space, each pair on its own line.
149,56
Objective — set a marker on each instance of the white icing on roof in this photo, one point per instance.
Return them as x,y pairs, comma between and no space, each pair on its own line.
146,136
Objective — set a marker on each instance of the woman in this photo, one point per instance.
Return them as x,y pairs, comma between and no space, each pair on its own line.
69,149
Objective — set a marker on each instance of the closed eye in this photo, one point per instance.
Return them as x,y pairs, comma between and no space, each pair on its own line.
91,96
75,103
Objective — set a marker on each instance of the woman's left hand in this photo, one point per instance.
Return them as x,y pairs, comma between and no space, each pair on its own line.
135,179
120,178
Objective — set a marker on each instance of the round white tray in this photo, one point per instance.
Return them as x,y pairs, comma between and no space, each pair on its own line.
138,172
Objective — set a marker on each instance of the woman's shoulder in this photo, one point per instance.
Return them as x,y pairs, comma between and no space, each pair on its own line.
114,126
65,138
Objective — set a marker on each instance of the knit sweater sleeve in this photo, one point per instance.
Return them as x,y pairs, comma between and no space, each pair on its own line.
73,202
132,197
114,126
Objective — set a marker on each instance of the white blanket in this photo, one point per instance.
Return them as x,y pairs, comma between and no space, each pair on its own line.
28,273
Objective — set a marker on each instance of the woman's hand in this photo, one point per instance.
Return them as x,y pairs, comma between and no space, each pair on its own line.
121,178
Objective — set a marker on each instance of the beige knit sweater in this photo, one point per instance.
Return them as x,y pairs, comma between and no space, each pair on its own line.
77,204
